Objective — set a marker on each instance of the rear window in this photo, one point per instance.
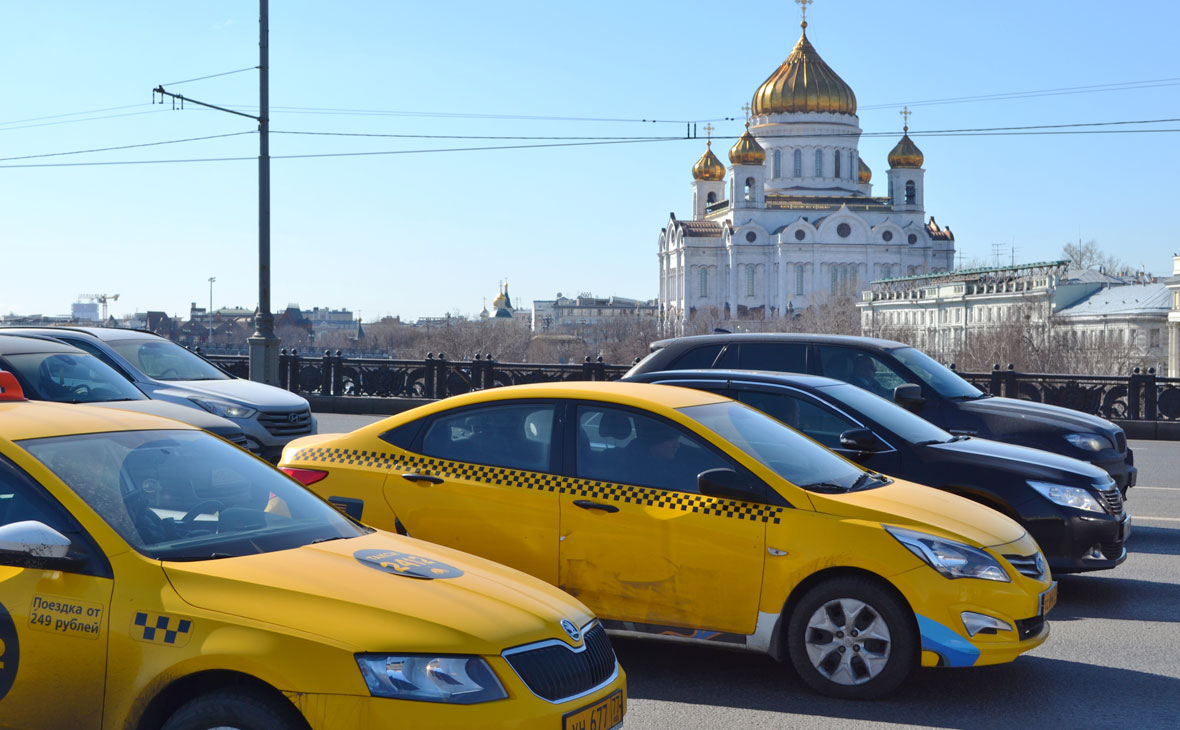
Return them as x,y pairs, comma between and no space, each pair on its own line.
698,358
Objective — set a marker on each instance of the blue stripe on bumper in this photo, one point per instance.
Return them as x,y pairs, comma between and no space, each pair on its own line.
953,648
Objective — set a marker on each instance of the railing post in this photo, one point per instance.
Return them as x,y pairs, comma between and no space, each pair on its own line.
293,371
599,369
338,375
489,364
1134,401
326,374
996,386
1010,390
587,369
440,378
1150,396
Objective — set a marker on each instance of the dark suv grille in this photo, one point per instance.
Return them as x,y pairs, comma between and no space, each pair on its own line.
286,423
1027,566
1113,500
556,672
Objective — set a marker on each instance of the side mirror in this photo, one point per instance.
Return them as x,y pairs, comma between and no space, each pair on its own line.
909,396
34,544
860,439
727,484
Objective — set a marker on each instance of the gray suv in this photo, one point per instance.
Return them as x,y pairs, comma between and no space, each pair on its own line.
269,416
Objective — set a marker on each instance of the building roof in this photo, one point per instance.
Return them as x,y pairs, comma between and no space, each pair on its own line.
1092,276
1124,300
699,229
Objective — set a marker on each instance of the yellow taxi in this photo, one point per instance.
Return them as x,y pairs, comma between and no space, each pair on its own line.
683,515
155,576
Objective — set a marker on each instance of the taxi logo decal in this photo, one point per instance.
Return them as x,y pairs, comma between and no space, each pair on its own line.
411,566
542,482
9,651
156,628
570,629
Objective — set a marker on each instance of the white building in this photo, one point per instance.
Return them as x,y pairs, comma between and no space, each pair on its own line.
794,221
1173,285
586,309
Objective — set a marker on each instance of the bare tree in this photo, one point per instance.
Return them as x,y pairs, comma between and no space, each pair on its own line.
1089,256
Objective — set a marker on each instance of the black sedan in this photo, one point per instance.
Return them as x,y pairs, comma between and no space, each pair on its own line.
1072,508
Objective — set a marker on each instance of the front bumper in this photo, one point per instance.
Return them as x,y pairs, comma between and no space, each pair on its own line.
520,711
1121,468
1078,542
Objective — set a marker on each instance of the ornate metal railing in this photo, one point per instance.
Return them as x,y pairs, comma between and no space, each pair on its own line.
434,377
1141,396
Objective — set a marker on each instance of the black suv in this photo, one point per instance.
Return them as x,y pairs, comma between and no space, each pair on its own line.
914,380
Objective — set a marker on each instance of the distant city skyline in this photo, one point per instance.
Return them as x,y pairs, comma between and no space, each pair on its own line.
389,225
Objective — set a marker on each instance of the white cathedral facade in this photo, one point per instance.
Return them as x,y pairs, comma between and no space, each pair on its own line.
793,221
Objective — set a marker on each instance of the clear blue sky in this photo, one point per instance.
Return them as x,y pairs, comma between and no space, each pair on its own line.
423,234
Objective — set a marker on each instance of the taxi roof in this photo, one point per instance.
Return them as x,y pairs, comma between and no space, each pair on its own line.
40,419
636,394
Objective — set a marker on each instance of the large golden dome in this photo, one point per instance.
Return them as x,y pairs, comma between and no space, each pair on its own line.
747,151
864,174
804,83
906,153
708,167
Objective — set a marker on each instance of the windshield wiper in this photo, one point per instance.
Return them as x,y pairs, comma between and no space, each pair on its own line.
326,539
192,558
826,487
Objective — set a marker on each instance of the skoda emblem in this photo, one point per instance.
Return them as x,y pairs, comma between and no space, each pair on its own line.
571,629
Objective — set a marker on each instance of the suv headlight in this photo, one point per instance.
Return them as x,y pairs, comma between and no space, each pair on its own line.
1089,441
224,409
951,559
1077,497
459,680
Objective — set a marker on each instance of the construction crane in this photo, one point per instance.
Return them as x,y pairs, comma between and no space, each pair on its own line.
101,299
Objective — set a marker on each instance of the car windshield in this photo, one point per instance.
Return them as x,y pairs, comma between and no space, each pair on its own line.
783,450
164,360
939,377
912,428
69,378
187,495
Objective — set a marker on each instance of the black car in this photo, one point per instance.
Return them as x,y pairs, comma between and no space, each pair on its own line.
914,380
1072,509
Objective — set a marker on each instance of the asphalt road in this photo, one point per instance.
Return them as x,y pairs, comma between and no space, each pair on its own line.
1112,660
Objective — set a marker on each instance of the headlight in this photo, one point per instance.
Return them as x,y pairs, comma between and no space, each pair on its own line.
1077,497
1089,441
223,409
459,680
951,559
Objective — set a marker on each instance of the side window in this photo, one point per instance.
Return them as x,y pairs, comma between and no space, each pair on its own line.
862,369
802,414
698,358
616,445
789,358
95,350
511,436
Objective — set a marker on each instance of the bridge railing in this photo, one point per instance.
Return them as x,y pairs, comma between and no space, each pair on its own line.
1140,396
433,377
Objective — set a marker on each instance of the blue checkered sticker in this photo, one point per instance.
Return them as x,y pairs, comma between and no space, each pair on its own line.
157,628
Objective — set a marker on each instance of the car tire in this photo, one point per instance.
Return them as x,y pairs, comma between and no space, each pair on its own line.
235,709
852,638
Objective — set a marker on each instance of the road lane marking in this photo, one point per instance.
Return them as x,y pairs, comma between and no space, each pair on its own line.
1141,518
1168,488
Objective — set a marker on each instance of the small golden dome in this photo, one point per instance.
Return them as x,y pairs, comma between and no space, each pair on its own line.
804,83
906,153
747,151
708,167
864,174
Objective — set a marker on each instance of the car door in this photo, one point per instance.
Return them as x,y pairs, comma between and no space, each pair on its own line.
53,619
483,484
639,543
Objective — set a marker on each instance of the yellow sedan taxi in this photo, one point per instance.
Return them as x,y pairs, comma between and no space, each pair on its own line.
155,576
680,514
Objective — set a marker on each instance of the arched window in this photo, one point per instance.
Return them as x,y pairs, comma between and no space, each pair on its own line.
836,164
910,193
798,163
851,165
778,163
835,279
749,281
819,163
704,282
798,278
711,198
749,188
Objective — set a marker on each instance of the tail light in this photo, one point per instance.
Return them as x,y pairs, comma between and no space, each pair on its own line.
306,477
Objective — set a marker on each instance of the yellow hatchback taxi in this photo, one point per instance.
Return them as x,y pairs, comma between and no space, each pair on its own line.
681,514
155,576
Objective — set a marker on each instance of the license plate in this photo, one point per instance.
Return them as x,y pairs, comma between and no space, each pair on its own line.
1049,599
602,715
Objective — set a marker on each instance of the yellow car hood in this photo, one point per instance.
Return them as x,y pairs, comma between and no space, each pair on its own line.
924,509
360,592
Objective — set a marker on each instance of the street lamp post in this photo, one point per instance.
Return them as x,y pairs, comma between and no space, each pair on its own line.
209,314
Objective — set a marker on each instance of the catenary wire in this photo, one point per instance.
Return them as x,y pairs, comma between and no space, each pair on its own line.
129,146
211,76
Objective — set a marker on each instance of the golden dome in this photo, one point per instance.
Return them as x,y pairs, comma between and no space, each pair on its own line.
804,83
864,174
906,153
747,151
708,167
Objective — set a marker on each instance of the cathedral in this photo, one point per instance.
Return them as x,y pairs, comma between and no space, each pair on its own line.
793,221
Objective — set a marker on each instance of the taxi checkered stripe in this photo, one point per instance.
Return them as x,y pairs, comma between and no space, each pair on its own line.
543,482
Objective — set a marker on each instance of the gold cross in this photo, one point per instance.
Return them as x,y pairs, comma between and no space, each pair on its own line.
709,131
746,106
803,4
905,113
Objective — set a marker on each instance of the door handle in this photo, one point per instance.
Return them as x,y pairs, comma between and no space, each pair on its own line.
587,504
422,478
